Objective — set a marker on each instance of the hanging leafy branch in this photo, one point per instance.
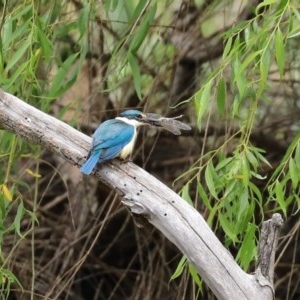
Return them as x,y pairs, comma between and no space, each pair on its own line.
236,89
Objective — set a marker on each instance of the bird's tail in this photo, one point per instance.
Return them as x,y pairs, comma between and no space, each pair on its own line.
90,164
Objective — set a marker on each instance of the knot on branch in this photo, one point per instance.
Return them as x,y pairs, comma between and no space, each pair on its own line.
134,206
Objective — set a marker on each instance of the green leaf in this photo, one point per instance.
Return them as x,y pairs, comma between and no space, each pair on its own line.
110,5
294,33
223,163
251,158
263,4
221,97
239,78
227,47
185,194
280,51
227,227
180,268
241,223
20,71
264,67
195,276
247,251
140,35
243,202
202,99
297,155
18,54
83,19
210,176
255,192
10,35
44,41
33,216
59,84
245,171
280,196
248,60
230,187
203,196
6,274
18,218
294,173
135,73
141,6
260,157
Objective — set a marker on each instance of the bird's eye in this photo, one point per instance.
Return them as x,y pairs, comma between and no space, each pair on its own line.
139,116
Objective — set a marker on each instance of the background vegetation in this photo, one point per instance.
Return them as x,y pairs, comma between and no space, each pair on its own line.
231,67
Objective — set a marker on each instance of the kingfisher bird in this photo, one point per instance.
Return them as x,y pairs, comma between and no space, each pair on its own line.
114,138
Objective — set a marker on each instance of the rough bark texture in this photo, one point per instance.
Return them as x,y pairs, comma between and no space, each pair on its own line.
143,194
267,248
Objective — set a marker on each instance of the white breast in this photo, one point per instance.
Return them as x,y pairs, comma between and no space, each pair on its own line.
127,150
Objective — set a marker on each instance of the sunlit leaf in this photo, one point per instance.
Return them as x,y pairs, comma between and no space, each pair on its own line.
34,174
6,192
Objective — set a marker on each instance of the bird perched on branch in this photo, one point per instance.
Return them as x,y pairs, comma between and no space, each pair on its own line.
116,137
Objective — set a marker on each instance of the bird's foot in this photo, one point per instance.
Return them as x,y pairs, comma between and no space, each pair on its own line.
127,160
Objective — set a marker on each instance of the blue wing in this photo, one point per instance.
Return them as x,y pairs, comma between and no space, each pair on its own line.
108,141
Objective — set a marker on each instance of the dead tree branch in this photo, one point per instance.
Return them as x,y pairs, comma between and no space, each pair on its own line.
143,194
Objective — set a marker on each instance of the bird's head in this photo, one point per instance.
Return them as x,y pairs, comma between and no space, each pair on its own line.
134,117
